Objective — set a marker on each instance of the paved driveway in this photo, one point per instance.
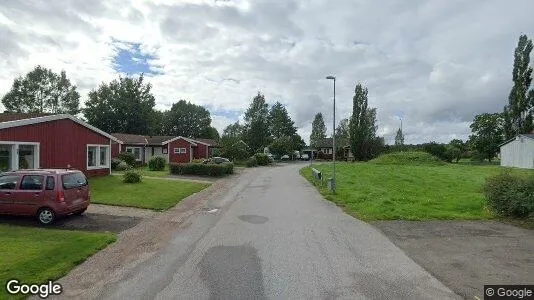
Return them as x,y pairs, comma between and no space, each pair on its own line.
466,255
97,218
264,234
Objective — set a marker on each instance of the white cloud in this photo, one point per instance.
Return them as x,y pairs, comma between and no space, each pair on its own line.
441,62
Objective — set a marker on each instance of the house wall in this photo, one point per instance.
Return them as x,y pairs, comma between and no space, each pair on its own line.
518,153
157,150
115,149
62,143
180,158
201,151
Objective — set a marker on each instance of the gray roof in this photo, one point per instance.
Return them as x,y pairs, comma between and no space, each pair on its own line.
527,135
324,143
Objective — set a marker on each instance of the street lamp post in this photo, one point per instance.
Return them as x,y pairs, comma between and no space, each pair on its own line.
333,187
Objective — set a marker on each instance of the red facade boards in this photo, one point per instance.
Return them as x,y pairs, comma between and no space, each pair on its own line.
176,151
61,143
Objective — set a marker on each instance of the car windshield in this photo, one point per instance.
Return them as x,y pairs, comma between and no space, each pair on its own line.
73,180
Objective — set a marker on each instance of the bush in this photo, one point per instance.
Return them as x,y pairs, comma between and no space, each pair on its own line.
131,177
417,158
115,162
262,159
510,195
122,166
127,157
157,163
215,170
251,162
438,150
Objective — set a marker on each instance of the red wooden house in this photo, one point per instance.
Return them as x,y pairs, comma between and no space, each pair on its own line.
53,141
175,149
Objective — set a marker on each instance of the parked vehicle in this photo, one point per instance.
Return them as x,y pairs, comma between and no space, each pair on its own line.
216,160
45,193
305,157
284,157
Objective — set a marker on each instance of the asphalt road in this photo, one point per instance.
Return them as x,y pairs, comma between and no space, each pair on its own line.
271,235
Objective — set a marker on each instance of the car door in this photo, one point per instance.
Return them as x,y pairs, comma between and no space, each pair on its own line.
29,195
8,185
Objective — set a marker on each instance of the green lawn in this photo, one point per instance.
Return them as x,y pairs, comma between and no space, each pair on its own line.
385,192
145,171
156,194
35,255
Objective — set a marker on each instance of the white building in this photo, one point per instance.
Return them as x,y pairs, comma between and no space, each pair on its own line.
518,152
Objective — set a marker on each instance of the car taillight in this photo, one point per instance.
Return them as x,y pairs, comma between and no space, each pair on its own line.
60,196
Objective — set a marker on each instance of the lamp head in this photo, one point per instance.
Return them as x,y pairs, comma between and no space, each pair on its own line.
331,77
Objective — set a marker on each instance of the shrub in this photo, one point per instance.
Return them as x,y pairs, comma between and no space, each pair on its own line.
252,162
115,162
417,158
215,170
262,159
127,157
157,163
131,177
438,150
122,166
510,195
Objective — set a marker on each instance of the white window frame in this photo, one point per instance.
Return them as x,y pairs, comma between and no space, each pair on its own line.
133,152
15,153
97,161
180,150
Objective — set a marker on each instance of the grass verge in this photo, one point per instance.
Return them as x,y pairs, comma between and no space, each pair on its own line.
390,192
156,194
36,255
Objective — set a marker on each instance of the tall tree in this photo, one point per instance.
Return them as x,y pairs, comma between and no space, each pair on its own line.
318,130
456,148
399,138
362,125
210,133
124,105
487,134
43,91
256,127
233,131
343,133
188,120
518,114
280,124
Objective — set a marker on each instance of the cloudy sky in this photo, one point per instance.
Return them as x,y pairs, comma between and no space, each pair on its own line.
436,63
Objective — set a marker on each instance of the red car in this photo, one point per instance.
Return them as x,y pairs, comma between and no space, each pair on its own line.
45,193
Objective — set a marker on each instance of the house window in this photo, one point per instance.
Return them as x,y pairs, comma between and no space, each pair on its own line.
97,156
179,150
165,150
136,151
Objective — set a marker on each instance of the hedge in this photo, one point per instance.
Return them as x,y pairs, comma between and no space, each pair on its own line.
215,170
157,163
262,159
510,195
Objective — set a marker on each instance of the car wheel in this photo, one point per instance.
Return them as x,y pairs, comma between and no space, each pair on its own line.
46,216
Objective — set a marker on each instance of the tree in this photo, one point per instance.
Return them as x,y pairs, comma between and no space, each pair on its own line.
456,148
281,146
399,138
42,91
280,124
210,133
343,133
256,128
232,144
318,130
487,134
188,120
362,125
518,114
125,105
